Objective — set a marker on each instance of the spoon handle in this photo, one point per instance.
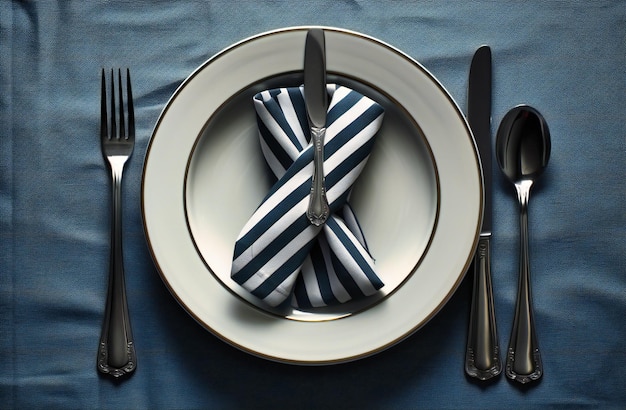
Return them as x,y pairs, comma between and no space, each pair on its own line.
523,362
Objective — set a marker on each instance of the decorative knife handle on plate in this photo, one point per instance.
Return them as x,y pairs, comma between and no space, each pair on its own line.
316,99
482,358
319,209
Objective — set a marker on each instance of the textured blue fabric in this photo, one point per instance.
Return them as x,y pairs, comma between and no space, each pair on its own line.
566,58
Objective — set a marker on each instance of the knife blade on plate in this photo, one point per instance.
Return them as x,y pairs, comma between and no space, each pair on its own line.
482,358
316,100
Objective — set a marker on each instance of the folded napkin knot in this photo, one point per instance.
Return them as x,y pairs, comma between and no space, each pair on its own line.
279,253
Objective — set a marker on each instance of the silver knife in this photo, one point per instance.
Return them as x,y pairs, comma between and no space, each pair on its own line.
482,357
316,99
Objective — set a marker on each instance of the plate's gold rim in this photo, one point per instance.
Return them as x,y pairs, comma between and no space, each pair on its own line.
324,316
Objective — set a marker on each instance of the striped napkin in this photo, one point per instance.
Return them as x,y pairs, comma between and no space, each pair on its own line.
279,255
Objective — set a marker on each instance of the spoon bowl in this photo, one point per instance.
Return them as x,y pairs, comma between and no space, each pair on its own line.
523,150
523,144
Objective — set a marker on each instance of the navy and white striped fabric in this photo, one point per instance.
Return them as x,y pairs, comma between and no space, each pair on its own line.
279,254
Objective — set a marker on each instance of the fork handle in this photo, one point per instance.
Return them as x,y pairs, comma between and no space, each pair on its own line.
116,352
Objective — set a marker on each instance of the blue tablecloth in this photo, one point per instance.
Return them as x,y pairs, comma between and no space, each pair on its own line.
566,58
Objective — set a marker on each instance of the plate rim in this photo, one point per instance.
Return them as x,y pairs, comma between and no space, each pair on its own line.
393,341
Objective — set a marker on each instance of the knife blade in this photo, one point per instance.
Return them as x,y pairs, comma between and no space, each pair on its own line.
482,358
479,117
316,100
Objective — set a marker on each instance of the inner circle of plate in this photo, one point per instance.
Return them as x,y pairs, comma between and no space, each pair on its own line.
396,197
242,324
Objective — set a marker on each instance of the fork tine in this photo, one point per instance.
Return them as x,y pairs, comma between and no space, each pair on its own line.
113,122
103,108
131,109
122,133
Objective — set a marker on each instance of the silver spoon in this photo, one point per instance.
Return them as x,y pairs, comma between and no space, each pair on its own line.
522,151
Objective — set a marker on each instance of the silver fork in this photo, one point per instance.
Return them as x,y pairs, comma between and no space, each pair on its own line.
116,352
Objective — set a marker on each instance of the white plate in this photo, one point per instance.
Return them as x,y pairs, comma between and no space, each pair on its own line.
419,199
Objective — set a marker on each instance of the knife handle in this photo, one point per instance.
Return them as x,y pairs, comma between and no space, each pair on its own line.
318,210
482,357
